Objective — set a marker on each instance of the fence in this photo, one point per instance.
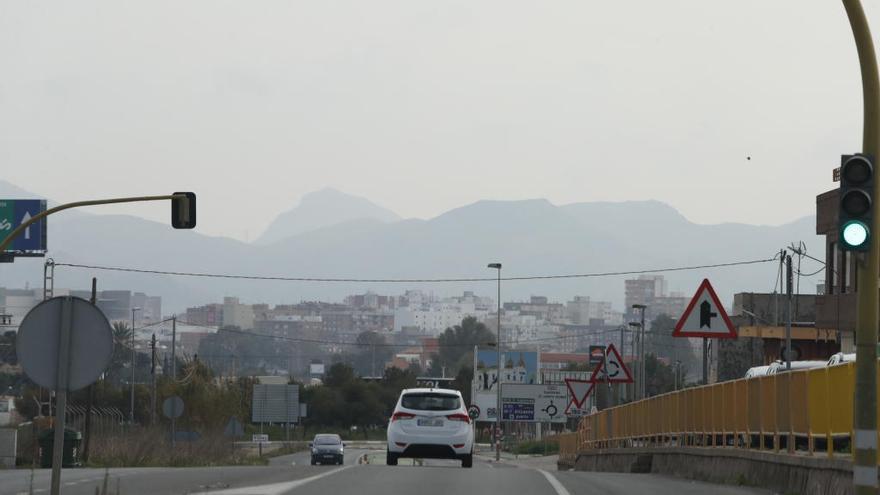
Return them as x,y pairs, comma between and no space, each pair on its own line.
805,412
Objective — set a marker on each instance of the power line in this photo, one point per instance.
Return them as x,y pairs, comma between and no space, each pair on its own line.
411,280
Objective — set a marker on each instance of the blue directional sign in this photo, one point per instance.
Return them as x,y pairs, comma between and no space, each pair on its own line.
14,212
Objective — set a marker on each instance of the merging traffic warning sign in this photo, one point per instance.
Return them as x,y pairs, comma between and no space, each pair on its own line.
705,317
579,390
611,369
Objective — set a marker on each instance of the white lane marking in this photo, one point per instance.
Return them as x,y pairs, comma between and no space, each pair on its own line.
275,488
560,490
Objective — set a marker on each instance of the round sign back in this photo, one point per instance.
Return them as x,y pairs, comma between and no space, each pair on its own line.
39,336
172,407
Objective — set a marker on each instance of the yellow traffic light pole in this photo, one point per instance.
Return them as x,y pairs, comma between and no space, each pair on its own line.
865,400
36,218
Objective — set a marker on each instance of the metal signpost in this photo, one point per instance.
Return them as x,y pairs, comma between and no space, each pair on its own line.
64,344
172,408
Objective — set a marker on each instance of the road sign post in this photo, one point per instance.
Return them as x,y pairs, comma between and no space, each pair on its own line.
705,317
172,408
63,344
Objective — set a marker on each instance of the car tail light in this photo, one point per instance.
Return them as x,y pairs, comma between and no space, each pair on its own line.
400,444
402,415
457,445
459,417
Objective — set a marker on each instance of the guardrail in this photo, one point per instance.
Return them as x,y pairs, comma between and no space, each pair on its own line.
804,411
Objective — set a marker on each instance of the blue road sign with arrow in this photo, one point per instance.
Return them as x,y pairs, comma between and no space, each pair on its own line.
14,212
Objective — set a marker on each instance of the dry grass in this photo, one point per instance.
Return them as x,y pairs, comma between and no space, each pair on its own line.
146,447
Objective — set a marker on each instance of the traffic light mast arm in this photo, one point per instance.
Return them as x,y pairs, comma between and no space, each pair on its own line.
36,218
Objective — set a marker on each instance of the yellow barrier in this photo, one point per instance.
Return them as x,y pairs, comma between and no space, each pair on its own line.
801,411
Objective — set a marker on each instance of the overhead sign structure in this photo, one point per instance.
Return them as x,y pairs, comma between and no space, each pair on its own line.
14,212
705,317
527,403
579,390
613,365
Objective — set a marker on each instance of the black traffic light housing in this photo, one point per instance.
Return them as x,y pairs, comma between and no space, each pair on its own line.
856,202
183,211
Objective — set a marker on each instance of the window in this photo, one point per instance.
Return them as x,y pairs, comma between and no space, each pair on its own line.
430,402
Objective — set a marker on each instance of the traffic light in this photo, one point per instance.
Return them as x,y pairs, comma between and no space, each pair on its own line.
856,198
183,211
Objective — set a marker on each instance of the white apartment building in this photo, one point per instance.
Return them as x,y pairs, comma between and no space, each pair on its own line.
434,318
237,314
583,309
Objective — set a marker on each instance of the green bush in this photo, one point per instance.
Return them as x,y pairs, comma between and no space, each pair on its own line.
535,447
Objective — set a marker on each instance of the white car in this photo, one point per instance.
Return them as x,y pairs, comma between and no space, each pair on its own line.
430,423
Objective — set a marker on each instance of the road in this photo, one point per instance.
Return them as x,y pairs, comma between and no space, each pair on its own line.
292,474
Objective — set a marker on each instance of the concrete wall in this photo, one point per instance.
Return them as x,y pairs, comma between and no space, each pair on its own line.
779,473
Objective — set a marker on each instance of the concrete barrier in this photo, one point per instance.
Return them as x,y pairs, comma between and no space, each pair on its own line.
778,472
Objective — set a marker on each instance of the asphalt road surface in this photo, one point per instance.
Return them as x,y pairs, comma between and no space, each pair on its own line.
292,474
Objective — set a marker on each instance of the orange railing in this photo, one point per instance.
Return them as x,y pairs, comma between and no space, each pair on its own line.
801,411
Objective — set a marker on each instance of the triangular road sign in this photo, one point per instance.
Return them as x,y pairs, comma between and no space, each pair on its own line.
705,317
579,390
572,410
617,370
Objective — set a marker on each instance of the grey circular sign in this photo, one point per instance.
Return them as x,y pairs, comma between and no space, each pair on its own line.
39,336
172,407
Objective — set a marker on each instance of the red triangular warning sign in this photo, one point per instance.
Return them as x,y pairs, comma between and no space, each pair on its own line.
579,390
615,367
705,317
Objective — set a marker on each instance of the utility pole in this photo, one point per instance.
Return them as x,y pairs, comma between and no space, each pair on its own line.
642,346
865,400
90,400
621,387
788,280
153,378
497,266
779,292
174,349
133,365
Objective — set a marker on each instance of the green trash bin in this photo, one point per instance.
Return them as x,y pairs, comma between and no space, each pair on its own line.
72,445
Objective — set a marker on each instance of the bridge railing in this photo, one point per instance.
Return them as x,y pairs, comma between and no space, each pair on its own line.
805,412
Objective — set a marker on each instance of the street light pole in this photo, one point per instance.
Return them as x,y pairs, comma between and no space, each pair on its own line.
497,266
643,388
131,412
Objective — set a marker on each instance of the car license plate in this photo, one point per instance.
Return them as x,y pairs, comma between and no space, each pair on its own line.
430,422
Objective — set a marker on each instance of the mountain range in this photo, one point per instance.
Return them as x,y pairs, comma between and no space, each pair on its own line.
334,235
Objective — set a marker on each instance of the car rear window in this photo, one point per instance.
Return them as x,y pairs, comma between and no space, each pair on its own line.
427,401
327,441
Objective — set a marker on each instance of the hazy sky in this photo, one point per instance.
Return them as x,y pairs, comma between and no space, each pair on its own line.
423,106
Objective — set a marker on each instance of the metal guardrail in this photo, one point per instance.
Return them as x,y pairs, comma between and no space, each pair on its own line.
804,411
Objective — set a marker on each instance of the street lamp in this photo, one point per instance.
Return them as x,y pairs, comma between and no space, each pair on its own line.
635,326
131,412
644,388
497,266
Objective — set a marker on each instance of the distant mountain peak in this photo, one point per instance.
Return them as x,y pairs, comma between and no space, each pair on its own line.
324,208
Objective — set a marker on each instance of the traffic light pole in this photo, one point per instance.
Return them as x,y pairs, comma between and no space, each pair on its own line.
43,214
865,400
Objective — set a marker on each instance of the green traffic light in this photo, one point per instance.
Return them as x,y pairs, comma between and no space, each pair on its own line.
855,234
